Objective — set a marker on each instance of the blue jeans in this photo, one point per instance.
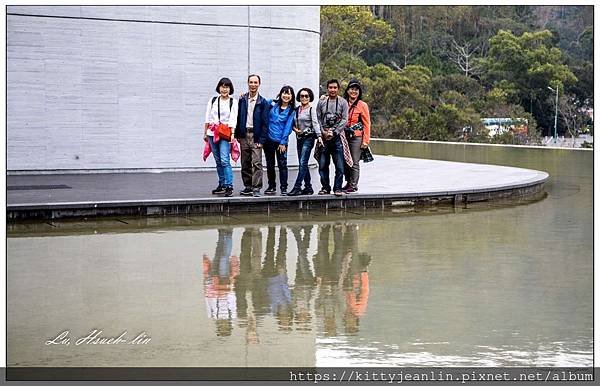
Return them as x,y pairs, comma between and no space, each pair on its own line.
333,149
304,145
270,150
221,151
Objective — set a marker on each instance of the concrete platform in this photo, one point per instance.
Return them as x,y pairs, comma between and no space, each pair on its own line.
388,181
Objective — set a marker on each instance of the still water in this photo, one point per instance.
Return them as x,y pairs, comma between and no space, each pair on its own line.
481,285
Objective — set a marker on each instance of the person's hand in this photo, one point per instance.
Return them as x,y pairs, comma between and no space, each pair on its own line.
296,130
258,145
364,145
323,97
205,136
232,137
327,134
320,141
282,149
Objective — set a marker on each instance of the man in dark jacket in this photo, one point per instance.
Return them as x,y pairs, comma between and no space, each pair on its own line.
251,132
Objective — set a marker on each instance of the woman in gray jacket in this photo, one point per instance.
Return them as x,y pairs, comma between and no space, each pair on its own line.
307,129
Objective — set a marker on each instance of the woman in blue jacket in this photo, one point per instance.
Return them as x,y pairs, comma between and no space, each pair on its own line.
281,119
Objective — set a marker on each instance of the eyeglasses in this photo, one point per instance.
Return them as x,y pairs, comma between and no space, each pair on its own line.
304,96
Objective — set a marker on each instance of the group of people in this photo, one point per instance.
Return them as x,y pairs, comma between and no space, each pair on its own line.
332,286
340,127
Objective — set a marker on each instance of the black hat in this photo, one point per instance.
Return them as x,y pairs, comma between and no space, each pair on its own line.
354,83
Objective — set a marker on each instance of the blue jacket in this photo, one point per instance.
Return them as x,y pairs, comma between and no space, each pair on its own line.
280,123
260,119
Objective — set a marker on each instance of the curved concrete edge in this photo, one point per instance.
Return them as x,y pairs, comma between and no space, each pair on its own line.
265,199
496,183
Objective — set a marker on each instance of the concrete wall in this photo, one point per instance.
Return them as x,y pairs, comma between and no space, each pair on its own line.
105,87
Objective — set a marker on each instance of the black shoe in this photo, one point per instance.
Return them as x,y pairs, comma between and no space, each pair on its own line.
284,192
218,190
246,192
271,190
350,189
295,192
307,191
323,191
228,192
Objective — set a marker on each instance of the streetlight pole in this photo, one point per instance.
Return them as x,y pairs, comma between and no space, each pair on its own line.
555,111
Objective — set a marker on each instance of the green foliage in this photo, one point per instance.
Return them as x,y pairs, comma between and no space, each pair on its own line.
406,57
346,32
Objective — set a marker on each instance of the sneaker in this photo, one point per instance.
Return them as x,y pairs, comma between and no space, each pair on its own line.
350,189
307,191
346,186
246,192
256,193
323,191
228,192
218,190
338,193
271,190
295,192
284,192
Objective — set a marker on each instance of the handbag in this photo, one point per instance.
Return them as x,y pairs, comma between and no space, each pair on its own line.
224,132
366,155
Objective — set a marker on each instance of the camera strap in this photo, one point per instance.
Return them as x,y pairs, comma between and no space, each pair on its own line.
219,106
336,105
352,110
309,115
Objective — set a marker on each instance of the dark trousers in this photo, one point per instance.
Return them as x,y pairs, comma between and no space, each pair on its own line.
332,149
251,162
270,148
304,146
353,173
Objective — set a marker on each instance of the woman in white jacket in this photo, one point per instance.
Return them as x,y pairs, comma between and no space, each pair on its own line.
221,109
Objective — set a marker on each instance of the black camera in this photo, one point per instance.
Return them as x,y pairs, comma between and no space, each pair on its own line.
331,119
306,132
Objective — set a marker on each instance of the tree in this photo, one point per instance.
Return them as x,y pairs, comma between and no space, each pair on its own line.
573,117
463,55
528,64
346,33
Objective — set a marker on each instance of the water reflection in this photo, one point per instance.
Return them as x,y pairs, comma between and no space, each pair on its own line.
219,276
328,292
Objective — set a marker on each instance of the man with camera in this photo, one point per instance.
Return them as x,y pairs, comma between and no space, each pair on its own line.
332,113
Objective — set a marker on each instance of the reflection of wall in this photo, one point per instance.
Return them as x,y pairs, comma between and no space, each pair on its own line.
99,87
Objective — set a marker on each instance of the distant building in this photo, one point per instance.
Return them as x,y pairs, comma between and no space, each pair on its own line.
126,87
496,126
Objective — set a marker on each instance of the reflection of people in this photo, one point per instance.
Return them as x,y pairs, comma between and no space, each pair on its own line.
328,270
219,277
342,279
275,272
302,293
356,284
249,288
